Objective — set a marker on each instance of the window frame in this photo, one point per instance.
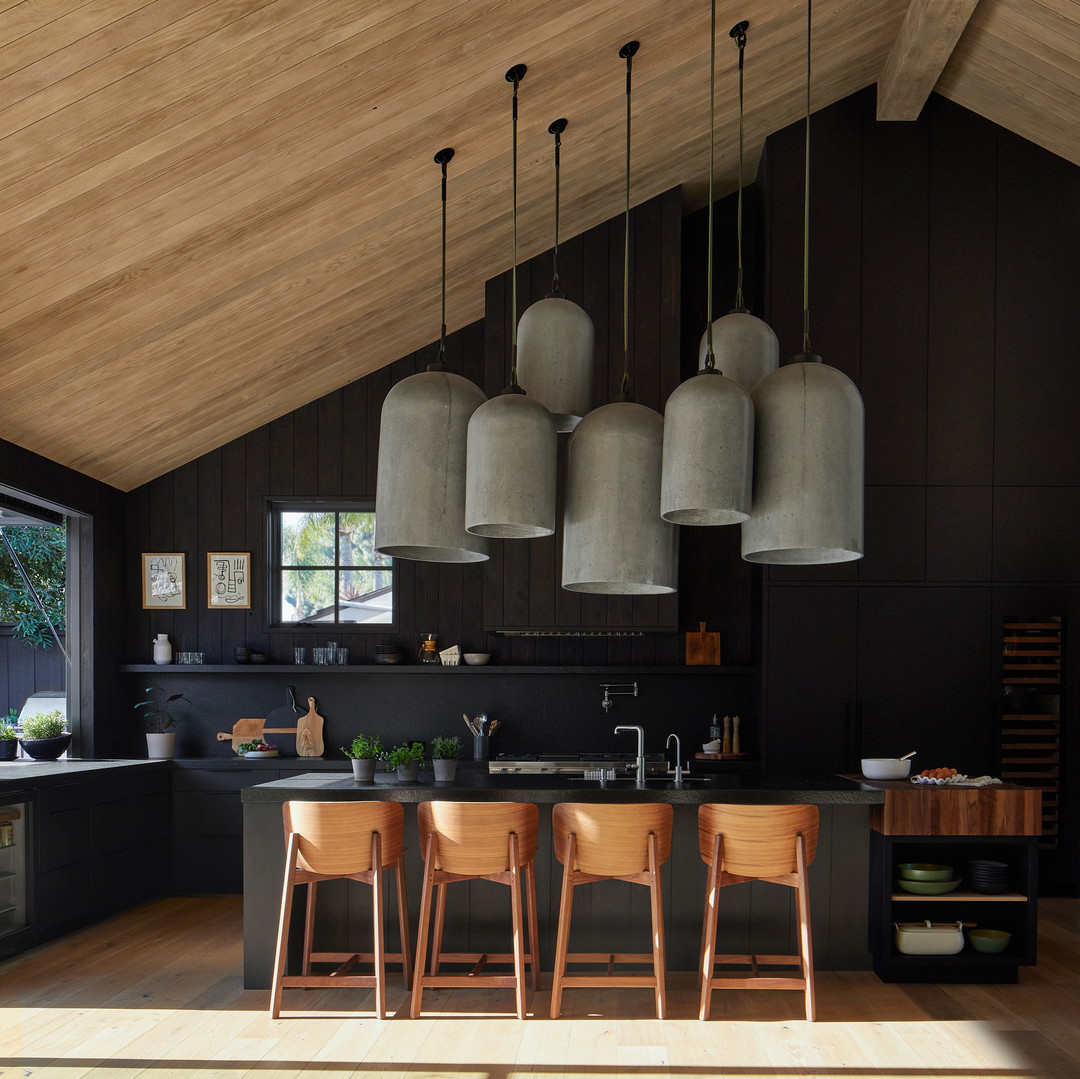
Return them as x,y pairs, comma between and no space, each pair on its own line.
275,507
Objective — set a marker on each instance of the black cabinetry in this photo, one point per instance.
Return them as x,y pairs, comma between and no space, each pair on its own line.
1014,910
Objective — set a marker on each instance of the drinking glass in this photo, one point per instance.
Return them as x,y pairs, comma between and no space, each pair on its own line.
321,655
298,655
342,656
198,658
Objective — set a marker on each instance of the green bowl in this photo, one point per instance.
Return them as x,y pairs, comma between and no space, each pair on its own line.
929,887
925,871
989,940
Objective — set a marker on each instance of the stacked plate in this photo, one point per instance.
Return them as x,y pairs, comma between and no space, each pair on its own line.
921,878
988,876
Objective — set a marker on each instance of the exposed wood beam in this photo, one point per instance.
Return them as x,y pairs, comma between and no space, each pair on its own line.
927,37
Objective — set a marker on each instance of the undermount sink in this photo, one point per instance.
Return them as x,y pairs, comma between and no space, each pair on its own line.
650,781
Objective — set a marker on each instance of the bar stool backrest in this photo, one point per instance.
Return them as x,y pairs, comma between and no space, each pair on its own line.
472,837
759,840
612,840
335,837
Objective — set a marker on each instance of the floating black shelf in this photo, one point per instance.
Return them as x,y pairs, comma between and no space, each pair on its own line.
414,668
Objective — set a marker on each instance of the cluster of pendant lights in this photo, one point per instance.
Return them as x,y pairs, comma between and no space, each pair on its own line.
778,450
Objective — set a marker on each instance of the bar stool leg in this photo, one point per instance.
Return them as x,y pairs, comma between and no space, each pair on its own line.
534,931
422,932
708,947
517,921
657,903
283,926
403,920
562,940
440,921
806,947
378,930
309,928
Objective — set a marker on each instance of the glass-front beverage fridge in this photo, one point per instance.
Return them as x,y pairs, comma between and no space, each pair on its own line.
14,871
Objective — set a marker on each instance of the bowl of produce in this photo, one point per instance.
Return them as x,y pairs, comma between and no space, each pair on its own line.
929,887
925,871
989,940
885,768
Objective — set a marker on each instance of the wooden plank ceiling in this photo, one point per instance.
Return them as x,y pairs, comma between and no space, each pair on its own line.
214,211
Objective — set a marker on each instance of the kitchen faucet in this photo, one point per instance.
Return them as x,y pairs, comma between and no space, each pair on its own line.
678,757
640,751
616,688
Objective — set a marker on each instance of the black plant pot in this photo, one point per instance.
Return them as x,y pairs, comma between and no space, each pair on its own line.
9,747
46,749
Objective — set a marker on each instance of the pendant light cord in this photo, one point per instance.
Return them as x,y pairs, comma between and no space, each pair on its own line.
442,158
739,34
710,357
556,128
806,199
514,75
627,51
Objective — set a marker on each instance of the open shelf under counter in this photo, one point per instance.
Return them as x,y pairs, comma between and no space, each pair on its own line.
429,669
960,896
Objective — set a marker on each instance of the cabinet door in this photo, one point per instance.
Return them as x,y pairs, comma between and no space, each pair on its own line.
811,678
925,679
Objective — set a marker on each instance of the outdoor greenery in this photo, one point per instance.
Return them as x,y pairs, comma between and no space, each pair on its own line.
364,748
403,754
331,559
44,725
42,549
446,749
155,710
7,732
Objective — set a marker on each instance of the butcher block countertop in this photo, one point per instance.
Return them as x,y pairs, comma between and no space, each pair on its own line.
913,809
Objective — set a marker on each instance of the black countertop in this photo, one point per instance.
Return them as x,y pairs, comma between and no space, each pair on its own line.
23,772
479,786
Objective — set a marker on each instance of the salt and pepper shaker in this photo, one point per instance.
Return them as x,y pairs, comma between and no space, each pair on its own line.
726,747
735,748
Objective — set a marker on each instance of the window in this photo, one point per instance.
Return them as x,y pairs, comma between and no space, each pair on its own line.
324,567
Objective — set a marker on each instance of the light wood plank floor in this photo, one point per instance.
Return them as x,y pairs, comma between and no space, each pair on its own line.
156,993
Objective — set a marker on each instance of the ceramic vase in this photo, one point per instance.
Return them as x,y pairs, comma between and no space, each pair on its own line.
160,746
444,770
162,649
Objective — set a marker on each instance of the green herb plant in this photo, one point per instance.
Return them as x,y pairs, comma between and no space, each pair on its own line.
8,732
406,753
155,710
44,725
446,749
364,748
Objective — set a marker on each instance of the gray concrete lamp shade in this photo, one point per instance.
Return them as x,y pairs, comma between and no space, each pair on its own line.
555,346
808,469
420,488
745,348
614,540
510,469
708,452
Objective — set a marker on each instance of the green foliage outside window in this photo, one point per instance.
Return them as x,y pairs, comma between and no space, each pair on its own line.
42,549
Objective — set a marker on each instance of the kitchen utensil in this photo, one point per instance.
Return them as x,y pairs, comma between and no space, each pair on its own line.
885,767
928,938
929,887
925,871
702,648
989,940
309,728
477,659
907,755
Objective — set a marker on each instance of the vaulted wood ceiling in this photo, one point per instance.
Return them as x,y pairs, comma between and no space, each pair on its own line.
214,211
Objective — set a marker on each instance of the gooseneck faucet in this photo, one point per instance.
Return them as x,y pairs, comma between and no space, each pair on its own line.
678,757
640,750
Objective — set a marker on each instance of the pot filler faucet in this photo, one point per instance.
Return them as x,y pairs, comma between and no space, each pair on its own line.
640,751
616,689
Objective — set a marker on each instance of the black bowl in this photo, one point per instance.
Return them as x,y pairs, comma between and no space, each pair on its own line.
46,749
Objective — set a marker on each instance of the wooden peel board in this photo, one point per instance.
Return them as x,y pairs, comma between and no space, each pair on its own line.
250,730
702,648
309,728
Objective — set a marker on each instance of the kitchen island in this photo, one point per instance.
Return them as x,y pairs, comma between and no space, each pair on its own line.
609,916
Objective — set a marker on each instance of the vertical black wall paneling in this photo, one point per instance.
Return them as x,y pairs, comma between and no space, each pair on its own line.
190,514
1034,537
496,343
376,385
331,445
959,528
306,450
281,455
596,285
963,276
162,539
895,534
137,540
895,300
234,536
209,539
242,626
567,604
1037,380
354,440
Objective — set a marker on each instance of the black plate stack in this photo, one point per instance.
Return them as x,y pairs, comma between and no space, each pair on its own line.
987,876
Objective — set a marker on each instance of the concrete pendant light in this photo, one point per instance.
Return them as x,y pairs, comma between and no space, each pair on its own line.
745,347
808,462
420,486
614,540
512,444
556,340
709,419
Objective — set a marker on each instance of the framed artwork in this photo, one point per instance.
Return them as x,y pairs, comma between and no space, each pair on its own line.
228,579
163,583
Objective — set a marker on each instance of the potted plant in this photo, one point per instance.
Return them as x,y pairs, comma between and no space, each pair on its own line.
257,750
9,739
405,760
444,757
363,753
43,735
160,740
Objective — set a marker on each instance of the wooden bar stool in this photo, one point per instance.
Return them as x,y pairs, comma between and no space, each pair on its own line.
326,841
610,842
773,843
477,841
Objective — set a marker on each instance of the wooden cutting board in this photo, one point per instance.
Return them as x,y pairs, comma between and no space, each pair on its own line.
702,648
309,732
